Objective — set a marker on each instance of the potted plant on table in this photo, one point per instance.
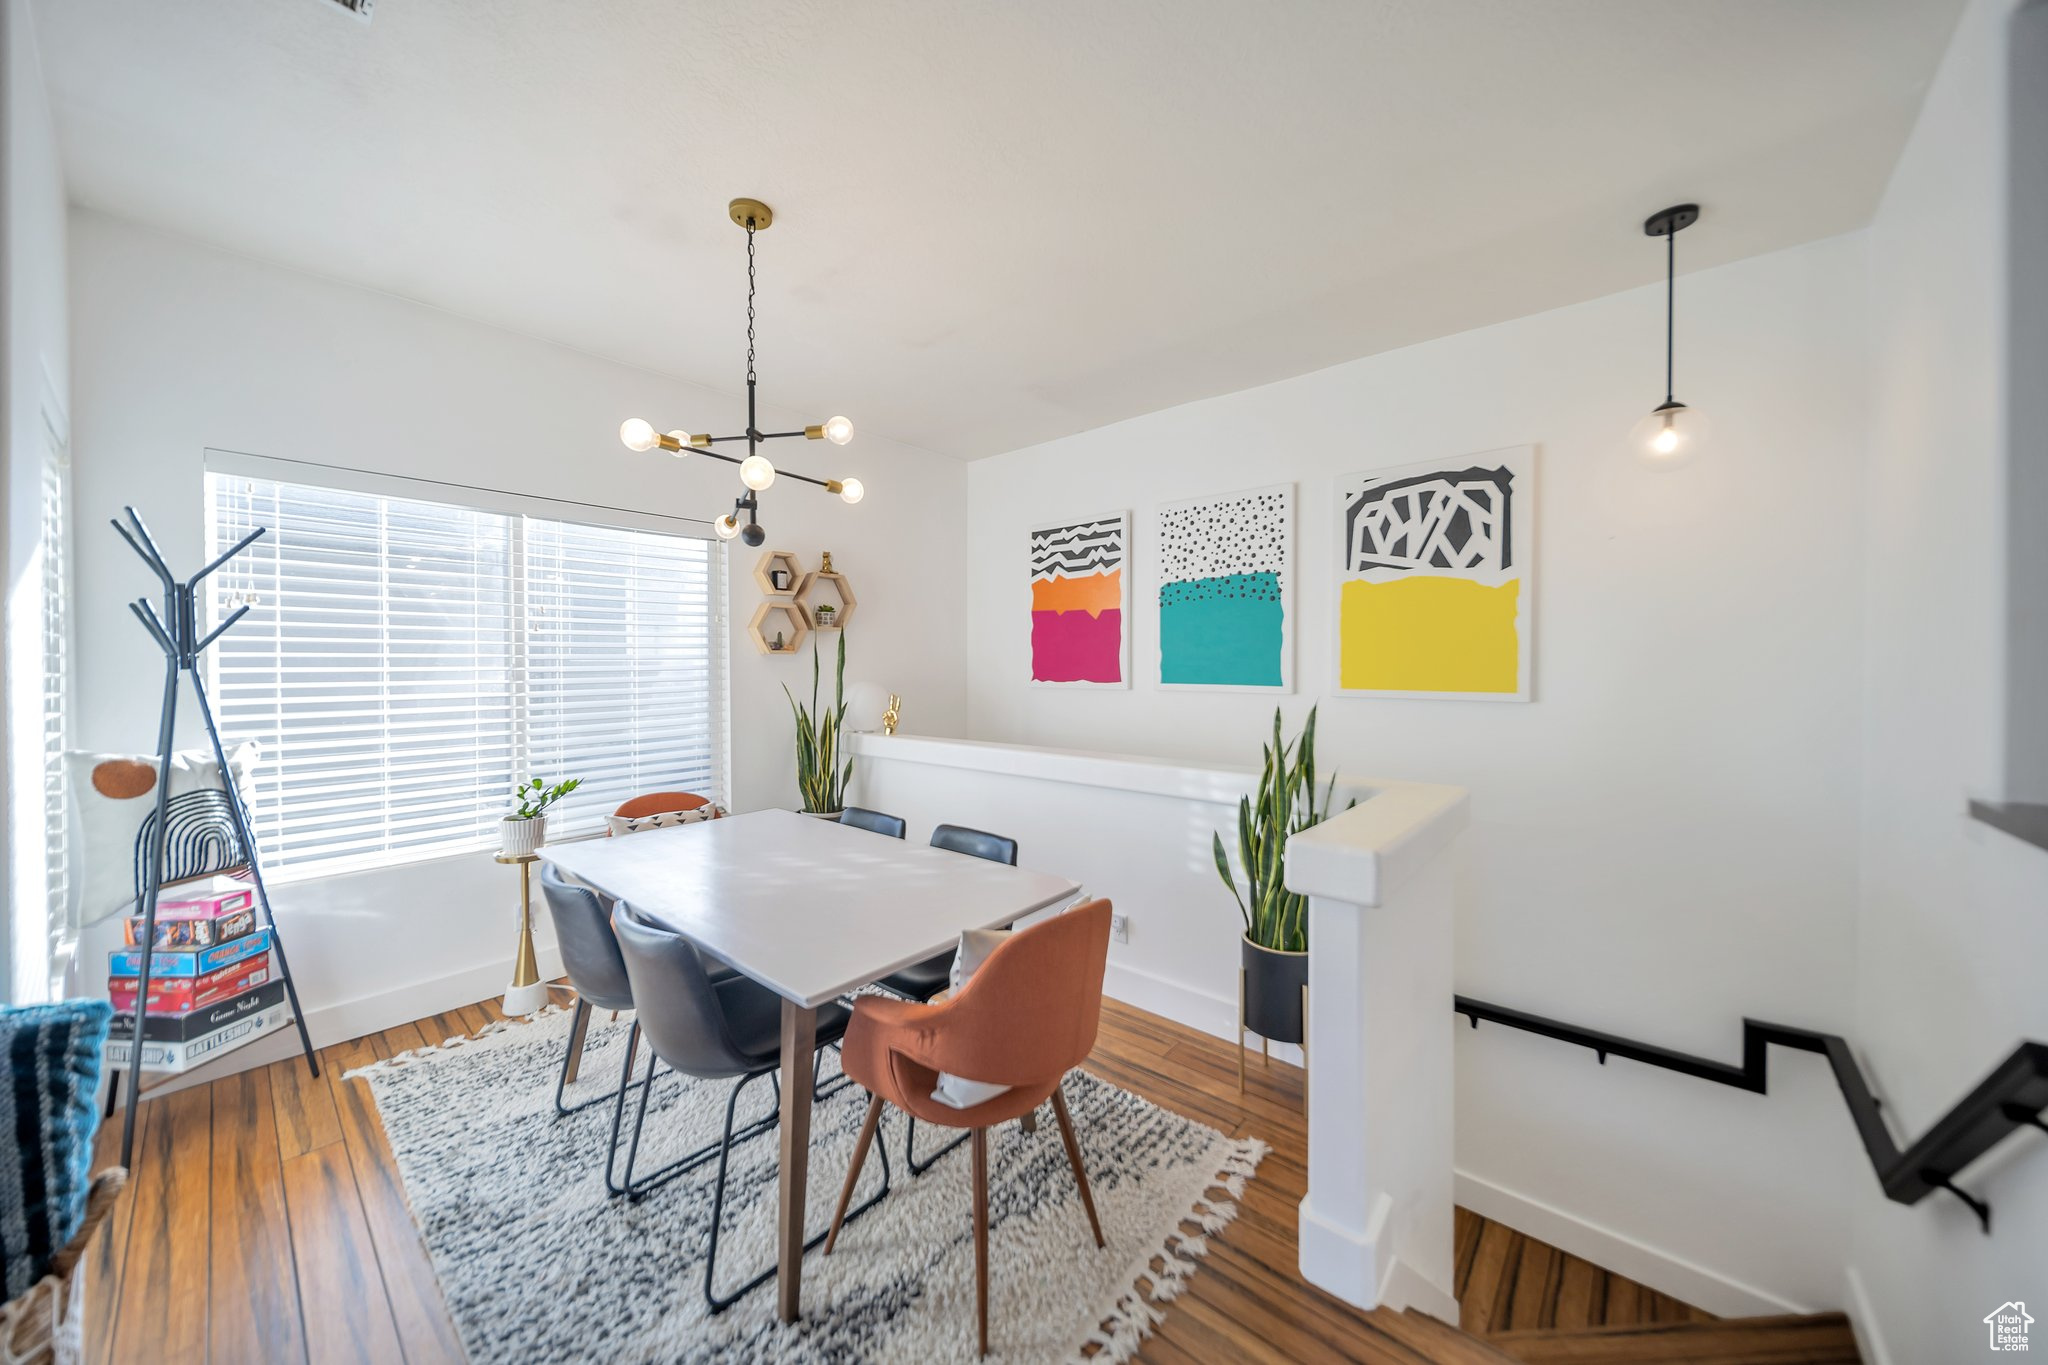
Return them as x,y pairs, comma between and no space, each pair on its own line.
820,780
526,828
1275,943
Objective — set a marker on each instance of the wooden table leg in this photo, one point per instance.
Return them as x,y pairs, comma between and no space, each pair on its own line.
799,1041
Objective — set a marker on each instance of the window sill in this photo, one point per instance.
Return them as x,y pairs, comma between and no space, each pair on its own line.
2021,821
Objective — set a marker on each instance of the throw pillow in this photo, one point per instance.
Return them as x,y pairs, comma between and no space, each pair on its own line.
113,797
975,945
633,824
53,1064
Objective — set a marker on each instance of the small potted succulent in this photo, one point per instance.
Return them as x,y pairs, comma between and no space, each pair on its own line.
526,828
826,615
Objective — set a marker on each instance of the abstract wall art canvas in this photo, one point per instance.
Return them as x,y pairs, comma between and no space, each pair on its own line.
1081,602
1436,578
1226,591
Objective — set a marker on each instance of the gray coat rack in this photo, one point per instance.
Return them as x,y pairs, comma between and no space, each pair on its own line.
176,632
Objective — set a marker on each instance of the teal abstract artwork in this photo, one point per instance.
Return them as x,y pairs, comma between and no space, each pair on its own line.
1226,565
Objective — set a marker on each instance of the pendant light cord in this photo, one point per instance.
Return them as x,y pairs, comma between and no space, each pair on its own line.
750,302
1670,304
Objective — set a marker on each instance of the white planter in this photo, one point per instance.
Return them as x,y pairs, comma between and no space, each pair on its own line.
821,814
518,837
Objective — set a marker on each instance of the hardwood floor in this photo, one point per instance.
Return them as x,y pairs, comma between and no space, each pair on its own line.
265,1222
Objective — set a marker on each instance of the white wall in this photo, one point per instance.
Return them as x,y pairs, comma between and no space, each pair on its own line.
1952,927
182,347
1665,840
34,388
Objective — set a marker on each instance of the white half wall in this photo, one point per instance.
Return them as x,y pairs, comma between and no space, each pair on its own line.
182,347
1952,925
1664,841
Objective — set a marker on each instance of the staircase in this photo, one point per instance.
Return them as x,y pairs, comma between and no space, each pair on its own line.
1811,1339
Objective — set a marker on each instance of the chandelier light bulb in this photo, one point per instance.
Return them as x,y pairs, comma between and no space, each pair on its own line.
851,490
638,434
756,473
753,535
726,526
682,440
838,431
1670,436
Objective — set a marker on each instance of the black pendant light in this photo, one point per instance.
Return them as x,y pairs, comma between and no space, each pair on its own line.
756,472
1673,432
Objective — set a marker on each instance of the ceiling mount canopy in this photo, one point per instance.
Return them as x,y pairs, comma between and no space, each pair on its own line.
757,472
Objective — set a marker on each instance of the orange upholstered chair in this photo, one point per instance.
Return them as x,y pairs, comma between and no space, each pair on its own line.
660,803
1025,1019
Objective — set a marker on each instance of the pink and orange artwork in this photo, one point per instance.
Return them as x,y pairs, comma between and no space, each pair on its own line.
1080,602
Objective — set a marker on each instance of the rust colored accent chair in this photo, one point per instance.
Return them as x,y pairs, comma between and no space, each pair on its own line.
1024,1020
659,803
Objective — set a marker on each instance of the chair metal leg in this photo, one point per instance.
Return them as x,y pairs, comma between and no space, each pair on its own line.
910,1148
719,1303
637,1188
980,1137
817,1068
1059,1109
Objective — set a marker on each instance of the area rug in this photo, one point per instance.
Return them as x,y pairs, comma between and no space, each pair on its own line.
538,1265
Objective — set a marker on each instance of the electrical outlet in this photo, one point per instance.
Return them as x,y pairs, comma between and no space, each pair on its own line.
1120,928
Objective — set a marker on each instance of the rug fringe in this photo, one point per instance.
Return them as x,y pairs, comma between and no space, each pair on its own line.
1134,1315
420,1054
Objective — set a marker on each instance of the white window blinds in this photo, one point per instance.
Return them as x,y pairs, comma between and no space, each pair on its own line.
406,662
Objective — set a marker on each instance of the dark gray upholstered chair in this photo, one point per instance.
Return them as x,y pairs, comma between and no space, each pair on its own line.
920,981
590,956
874,822
728,1029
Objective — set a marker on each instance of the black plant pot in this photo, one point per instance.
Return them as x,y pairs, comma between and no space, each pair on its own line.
1273,986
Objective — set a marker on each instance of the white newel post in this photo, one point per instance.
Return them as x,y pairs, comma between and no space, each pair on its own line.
1382,884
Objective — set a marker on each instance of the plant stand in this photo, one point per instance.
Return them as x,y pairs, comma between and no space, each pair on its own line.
528,992
1265,1045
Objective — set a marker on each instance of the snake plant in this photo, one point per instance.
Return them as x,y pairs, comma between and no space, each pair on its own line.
819,778
1275,917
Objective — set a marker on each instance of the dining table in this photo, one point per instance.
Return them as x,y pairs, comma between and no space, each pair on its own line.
812,910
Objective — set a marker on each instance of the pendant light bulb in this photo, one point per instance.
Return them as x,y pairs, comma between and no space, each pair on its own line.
756,473
753,535
1670,436
727,526
638,434
851,491
682,440
838,430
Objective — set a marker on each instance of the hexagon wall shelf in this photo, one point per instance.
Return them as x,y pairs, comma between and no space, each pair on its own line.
772,560
785,617
822,589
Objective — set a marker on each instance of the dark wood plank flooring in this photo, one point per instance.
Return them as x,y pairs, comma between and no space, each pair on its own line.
285,1235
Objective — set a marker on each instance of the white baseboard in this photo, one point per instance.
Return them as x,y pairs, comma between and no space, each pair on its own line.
1611,1250
338,1023
1212,1014
1863,1320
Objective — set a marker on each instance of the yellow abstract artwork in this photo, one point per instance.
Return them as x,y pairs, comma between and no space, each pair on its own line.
1435,586
1422,634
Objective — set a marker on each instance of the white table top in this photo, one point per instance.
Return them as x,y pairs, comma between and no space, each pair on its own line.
809,908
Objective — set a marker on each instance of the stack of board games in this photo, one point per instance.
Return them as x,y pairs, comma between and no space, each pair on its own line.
211,983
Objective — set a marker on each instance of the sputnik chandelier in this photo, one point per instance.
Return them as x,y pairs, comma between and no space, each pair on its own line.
756,472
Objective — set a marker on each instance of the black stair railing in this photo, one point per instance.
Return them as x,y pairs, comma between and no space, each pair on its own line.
2012,1097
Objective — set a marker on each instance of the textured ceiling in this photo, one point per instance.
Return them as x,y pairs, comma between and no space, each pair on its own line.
996,223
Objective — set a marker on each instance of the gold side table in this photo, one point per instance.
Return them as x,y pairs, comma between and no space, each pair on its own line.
527,993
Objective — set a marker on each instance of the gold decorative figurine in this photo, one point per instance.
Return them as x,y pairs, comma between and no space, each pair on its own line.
889,716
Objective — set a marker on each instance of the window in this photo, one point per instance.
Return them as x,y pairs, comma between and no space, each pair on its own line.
407,661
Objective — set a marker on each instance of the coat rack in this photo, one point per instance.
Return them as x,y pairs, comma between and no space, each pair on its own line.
176,632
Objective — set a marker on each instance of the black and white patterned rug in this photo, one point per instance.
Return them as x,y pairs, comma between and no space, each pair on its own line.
539,1265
